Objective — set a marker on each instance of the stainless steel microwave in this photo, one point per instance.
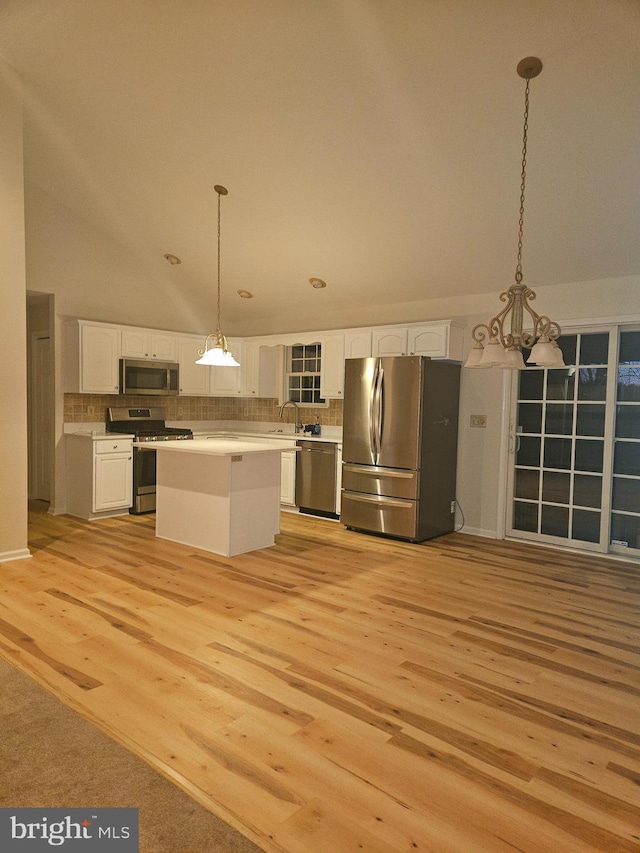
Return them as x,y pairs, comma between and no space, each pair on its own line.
150,378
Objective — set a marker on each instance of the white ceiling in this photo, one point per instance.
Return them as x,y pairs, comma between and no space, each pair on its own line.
375,144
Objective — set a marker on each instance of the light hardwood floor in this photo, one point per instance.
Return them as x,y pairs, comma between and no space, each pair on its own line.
342,692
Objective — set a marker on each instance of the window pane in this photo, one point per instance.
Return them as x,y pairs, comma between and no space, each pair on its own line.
589,455
594,349
531,384
585,525
555,521
626,494
555,487
530,417
590,420
629,348
527,484
559,419
628,422
560,385
525,516
625,530
626,458
592,383
587,491
629,384
528,452
557,453
567,344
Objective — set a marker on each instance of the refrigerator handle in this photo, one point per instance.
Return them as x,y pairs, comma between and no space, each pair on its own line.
378,395
372,414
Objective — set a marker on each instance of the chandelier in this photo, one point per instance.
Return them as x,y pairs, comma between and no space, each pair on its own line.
506,331
215,351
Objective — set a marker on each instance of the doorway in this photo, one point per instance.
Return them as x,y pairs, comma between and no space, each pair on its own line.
40,395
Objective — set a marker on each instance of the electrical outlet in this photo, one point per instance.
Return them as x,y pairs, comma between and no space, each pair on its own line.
91,410
479,421
453,507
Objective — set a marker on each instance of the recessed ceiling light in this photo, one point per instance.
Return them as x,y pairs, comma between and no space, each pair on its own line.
245,294
318,283
173,259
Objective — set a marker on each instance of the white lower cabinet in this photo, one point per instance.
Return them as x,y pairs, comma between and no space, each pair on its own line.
288,478
99,475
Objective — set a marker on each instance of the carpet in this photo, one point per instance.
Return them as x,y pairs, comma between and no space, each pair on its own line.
51,757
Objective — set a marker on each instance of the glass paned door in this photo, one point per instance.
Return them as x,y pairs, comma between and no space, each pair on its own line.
561,435
625,504
576,473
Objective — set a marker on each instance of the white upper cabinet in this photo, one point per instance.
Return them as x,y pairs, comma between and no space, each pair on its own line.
258,367
144,343
435,340
195,379
91,353
227,381
250,369
332,366
357,344
428,340
389,341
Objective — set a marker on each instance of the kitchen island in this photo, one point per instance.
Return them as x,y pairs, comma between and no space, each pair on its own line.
219,494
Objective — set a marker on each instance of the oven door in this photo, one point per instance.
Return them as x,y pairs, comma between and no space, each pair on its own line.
144,480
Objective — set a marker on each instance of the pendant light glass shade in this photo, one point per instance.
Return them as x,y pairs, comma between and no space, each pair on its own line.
493,354
512,360
475,356
215,351
217,355
544,354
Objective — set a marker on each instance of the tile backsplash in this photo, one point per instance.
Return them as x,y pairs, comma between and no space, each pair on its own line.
91,408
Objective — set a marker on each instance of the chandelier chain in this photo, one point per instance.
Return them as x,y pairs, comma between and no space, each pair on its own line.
218,304
523,177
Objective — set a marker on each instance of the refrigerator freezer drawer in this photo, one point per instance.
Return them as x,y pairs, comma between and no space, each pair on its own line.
375,480
379,514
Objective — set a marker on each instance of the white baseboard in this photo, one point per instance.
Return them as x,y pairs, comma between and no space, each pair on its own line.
478,531
20,554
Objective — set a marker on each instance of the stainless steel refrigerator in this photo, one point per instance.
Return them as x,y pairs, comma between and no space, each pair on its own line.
400,439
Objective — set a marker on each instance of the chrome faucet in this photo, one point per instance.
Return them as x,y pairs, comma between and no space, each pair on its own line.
298,426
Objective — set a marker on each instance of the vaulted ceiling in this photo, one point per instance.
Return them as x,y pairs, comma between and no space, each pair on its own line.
374,144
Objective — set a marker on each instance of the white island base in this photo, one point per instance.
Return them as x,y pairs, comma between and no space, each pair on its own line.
217,495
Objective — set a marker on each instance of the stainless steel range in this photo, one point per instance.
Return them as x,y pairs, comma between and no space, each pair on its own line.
148,426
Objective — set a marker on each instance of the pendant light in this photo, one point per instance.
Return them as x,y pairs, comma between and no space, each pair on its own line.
216,352
506,332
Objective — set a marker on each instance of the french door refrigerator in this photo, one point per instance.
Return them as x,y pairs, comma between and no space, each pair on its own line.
400,439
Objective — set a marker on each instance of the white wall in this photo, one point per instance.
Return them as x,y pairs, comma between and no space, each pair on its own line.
13,339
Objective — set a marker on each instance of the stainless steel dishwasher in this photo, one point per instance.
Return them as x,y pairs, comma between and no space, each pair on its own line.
316,473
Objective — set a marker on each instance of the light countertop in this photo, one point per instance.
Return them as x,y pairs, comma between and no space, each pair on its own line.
220,446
